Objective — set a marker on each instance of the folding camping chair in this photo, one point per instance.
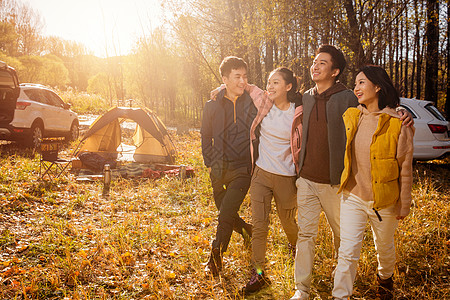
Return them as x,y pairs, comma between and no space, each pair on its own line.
50,164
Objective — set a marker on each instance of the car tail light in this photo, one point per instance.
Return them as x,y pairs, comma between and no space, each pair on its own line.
441,147
22,105
435,128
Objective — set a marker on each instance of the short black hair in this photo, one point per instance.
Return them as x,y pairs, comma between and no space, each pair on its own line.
388,94
231,63
337,57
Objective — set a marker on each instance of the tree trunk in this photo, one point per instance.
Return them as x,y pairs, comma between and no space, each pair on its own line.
275,51
405,76
391,56
355,36
447,100
400,79
419,69
306,76
269,57
258,69
396,47
432,59
384,57
413,69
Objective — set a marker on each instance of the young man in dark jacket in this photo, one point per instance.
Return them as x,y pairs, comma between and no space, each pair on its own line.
226,152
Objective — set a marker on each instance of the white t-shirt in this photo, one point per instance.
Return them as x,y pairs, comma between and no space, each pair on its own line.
274,142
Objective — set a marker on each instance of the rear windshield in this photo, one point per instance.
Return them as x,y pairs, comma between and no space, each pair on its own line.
6,79
435,112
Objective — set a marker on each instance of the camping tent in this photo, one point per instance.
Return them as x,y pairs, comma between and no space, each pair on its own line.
151,139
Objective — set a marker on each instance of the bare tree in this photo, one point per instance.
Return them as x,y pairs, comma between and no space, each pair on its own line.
447,102
432,59
29,26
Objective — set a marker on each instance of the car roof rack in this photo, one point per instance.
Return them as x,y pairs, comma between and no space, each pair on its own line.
35,85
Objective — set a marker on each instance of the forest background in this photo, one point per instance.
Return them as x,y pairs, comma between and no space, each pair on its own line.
149,240
172,68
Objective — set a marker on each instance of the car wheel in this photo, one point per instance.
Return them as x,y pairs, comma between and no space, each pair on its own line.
72,135
35,138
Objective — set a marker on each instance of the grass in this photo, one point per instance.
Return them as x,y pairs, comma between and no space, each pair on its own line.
151,238
84,103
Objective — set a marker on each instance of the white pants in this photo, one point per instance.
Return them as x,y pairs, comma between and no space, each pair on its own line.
312,198
354,215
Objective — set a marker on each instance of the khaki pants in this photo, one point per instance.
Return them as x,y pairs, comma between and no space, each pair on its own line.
263,188
355,212
312,198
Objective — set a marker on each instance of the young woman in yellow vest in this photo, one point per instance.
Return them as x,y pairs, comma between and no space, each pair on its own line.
376,181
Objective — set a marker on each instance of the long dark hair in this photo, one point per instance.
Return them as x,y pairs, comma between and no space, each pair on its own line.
388,94
289,77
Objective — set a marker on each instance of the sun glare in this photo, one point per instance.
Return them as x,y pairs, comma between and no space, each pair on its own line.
105,27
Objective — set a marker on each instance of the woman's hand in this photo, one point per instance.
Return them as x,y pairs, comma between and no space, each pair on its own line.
213,94
406,117
400,217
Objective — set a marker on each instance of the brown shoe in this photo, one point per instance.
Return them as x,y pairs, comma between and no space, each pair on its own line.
257,282
385,288
214,264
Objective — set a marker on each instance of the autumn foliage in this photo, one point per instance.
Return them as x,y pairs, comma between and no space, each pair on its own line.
151,238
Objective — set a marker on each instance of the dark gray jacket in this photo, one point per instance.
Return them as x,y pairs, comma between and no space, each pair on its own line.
336,106
214,132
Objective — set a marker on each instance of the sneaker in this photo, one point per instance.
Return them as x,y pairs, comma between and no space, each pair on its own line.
385,290
257,282
214,265
300,295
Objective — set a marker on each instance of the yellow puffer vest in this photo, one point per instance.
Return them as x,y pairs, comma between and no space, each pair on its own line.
383,162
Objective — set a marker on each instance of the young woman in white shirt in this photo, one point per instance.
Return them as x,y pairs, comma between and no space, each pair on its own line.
274,171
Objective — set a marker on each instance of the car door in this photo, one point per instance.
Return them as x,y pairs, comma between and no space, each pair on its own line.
9,92
39,108
48,110
62,117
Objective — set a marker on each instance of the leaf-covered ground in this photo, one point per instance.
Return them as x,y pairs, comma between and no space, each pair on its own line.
151,238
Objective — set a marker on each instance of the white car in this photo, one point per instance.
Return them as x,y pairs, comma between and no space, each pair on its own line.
431,139
40,112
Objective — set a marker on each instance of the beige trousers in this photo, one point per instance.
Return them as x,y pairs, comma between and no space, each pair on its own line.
263,188
355,212
312,198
